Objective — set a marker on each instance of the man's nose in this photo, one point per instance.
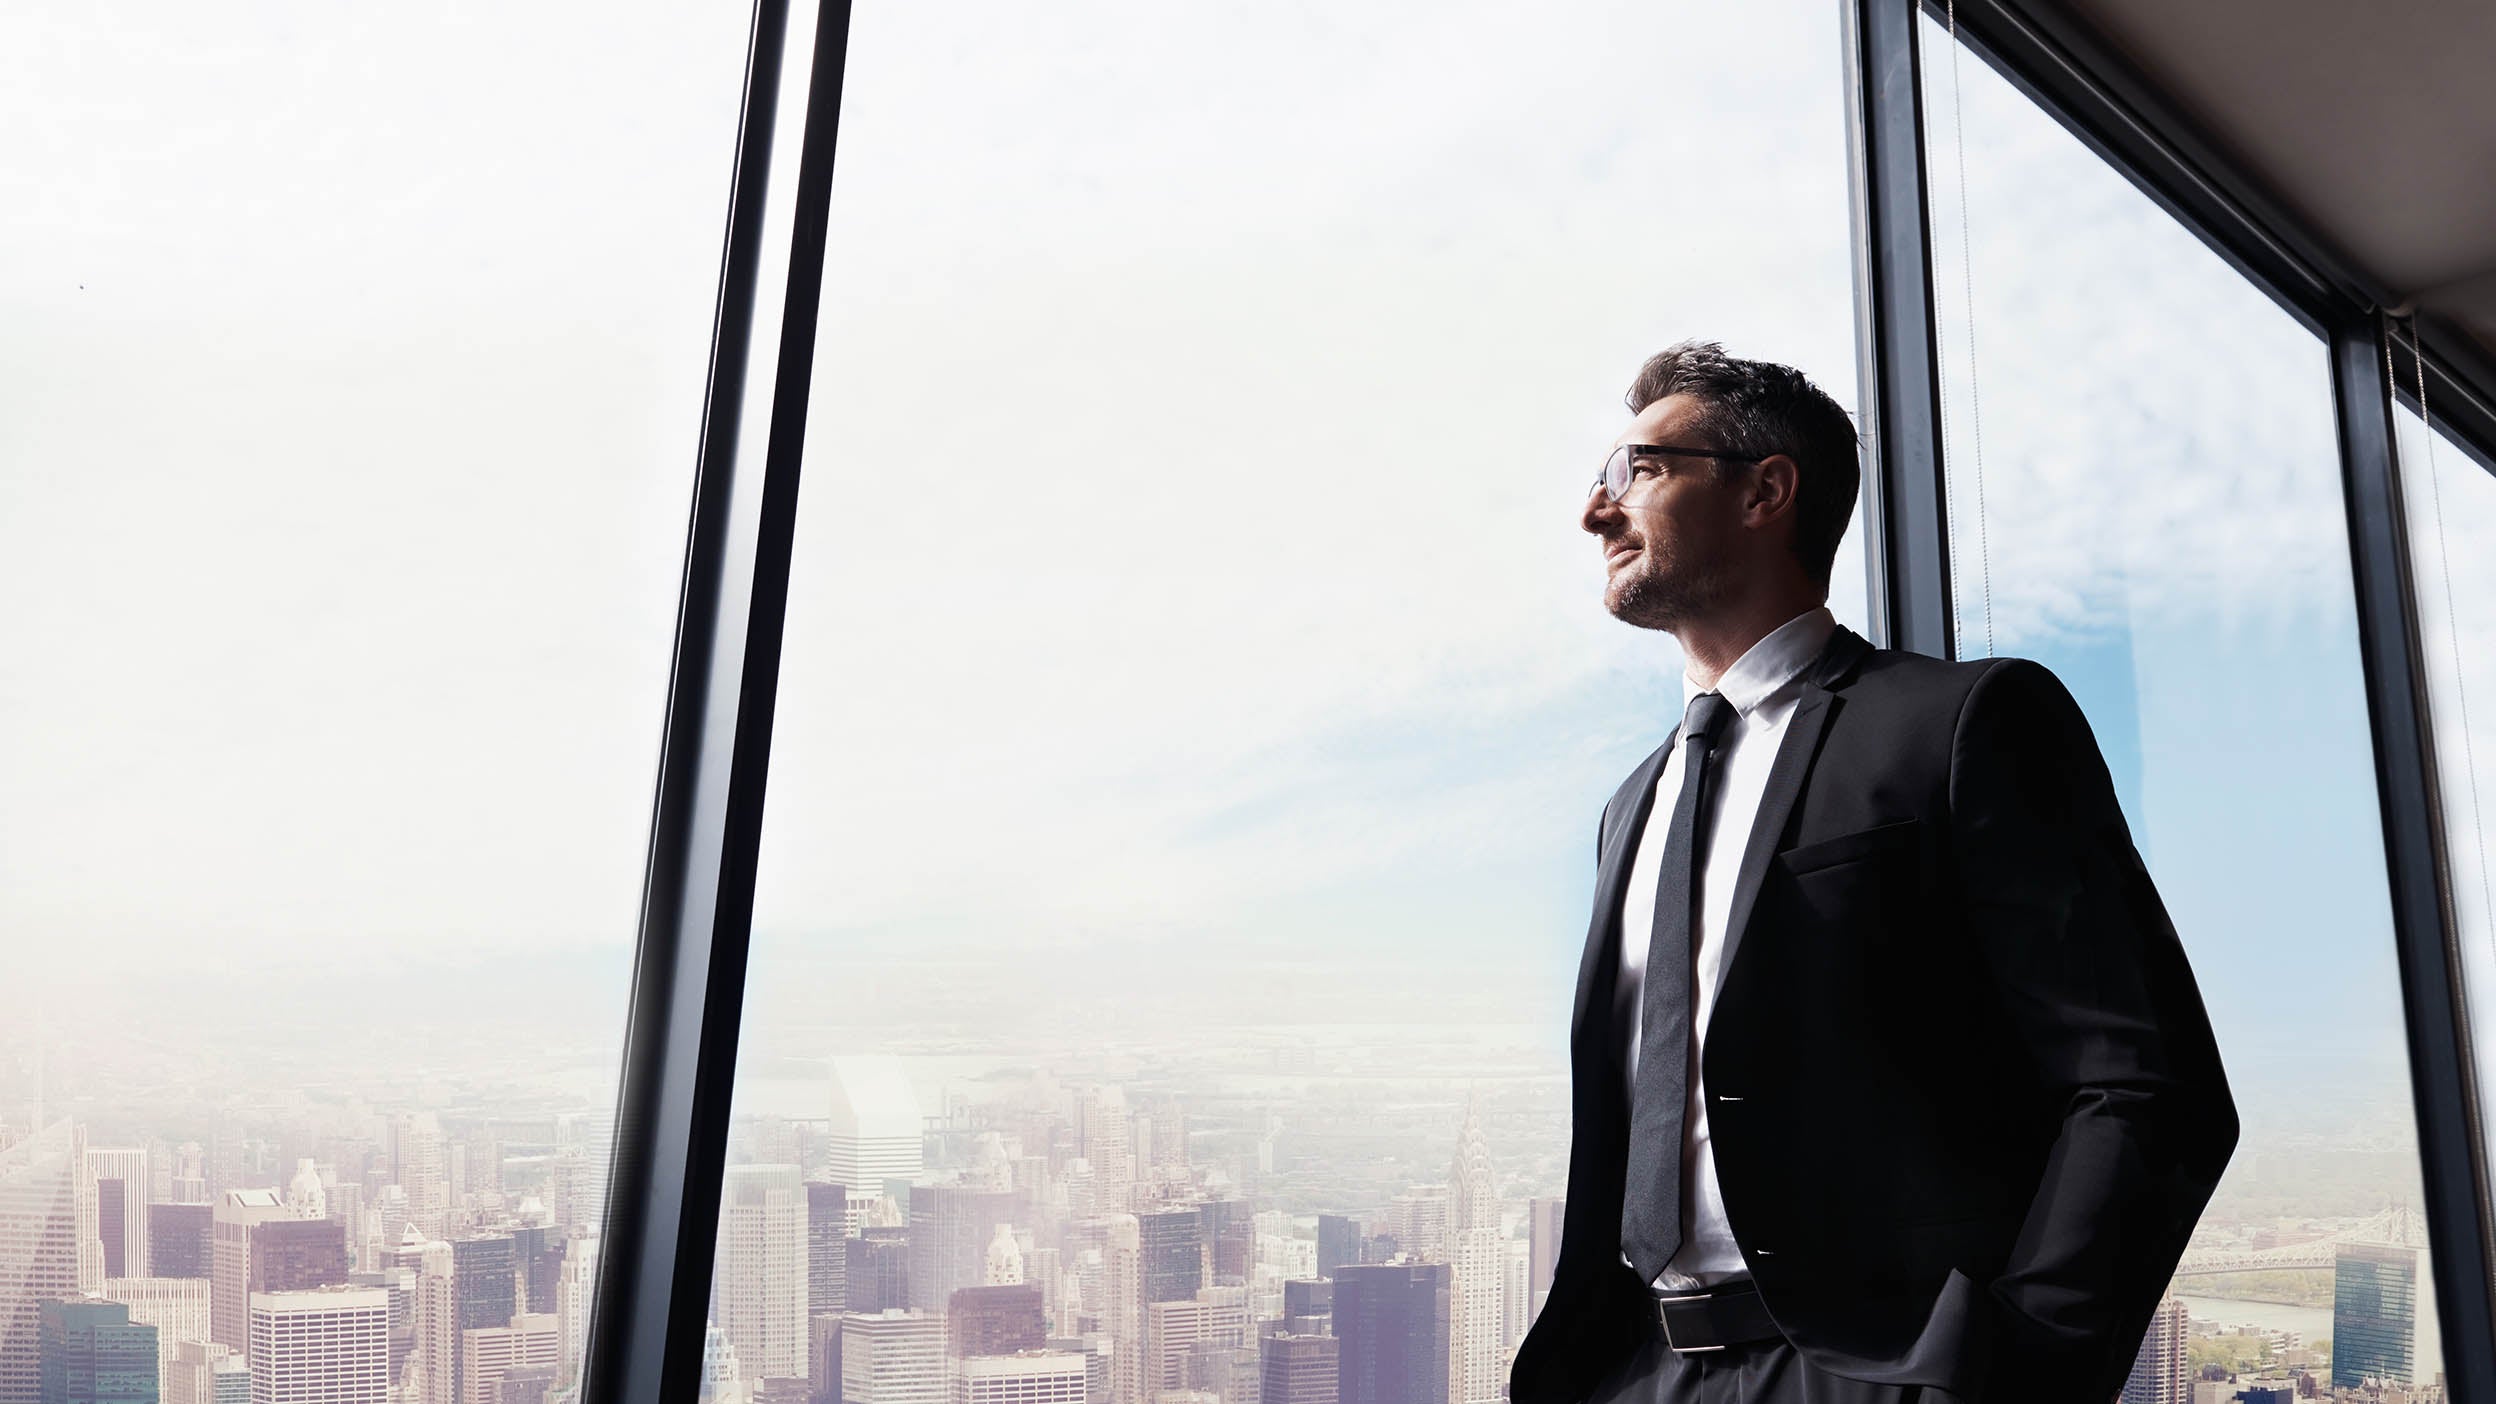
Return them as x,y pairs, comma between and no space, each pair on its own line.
1600,510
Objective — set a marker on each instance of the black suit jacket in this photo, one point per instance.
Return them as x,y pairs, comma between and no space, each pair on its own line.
1964,1099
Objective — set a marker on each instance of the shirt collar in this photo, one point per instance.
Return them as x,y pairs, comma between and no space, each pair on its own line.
1767,666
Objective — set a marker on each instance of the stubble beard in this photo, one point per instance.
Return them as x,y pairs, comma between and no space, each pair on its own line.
1666,595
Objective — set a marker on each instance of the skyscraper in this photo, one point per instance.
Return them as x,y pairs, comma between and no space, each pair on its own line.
1299,1369
179,1238
2374,1313
1173,1246
296,1255
827,1247
1033,1377
421,1164
330,1344
204,1372
879,1269
1214,1317
238,1212
875,1134
1338,1242
1393,1320
996,1320
90,1352
1543,1218
176,1306
490,1353
950,1228
893,1357
48,1250
485,1291
1477,1346
2160,1372
758,1282
1122,1308
121,1191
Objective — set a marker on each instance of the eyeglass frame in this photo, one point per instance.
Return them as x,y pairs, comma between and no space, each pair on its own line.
1628,453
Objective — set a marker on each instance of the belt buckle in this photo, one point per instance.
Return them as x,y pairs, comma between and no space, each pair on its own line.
1664,1323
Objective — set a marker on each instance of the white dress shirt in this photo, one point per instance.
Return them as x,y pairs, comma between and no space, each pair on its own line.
1762,686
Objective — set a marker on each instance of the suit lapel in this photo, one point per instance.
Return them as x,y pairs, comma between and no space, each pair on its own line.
1611,879
1785,782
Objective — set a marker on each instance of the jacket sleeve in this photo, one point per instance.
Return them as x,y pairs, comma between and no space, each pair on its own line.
2089,978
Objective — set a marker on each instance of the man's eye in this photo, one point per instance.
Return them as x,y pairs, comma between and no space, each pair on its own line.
1642,468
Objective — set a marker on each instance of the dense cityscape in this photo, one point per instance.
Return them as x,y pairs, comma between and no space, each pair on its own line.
1015,1239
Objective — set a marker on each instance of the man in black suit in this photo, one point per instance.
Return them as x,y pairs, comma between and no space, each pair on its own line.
1889,1078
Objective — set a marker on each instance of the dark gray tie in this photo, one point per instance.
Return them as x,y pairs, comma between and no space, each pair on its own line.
1651,1205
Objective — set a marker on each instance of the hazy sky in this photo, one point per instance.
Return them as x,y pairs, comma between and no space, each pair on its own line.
1188,567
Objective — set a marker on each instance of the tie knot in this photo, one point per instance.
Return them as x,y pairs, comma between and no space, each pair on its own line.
1705,721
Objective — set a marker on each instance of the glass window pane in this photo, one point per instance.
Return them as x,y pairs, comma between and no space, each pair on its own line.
1197,699
2449,493
2145,496
354,369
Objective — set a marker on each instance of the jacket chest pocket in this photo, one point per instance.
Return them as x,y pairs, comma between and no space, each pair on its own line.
1881,840
1854,894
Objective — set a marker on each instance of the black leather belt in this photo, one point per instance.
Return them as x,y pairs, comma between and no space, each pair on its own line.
1728,1313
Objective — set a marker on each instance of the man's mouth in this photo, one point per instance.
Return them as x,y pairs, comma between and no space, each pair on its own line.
1618,554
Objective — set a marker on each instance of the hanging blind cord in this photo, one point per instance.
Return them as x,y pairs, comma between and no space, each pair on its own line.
1975,398
2452,620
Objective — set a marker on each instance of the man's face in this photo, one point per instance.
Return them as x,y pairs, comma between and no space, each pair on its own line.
1673,543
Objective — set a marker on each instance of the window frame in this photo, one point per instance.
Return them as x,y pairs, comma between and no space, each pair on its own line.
2083,84
646,1334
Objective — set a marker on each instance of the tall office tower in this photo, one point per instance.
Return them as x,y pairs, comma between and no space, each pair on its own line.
1393,1321
296,1255
1227,1372
1309,1306
996,1320
1338,1242
2160,1373
1420,1219
204,1372
950,1226
876,1134
485,1163
238,1212
1104,1138
879,1269
1172,1242
823,1357
48,1250
827,1247
530,1384
1005,1259
575,1295
893,1357
1298,1369
1122,1307
537,1257
2374,1313
306,1196
758,1277
485,1291
176,1306
723,1379
585,1147
389,1223
1215,1316
1514,1312
1477,1358
346,1210
1033,1377
121,1193
434,1365
490,1353
178,1239
1041,1269
400,1284
420,1166
329,1345
1543,1218
1228,1229
90,1352
189,1181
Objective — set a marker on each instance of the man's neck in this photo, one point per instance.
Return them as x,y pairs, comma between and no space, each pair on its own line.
1712,645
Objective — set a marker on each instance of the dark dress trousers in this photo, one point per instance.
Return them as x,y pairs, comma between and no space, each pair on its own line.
1965,1102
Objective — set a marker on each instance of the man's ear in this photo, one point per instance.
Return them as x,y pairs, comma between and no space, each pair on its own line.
1775,481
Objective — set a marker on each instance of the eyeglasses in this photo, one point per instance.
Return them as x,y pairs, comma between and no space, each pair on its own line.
1615,477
